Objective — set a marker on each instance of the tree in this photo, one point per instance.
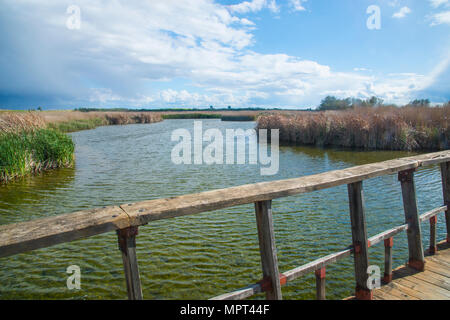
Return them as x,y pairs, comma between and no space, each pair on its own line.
333,103
374,101
420,103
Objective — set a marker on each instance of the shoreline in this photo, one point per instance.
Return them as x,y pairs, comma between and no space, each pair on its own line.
410,129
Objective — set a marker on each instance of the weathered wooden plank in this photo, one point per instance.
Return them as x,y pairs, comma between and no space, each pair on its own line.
127,245
241,293
317,264
396,230
432,213
388,244
381,295
320,284
433,242
25,236
267,248
444,261
425,289
412,294
445,174
409,283
146,211
429,159
436,276
437,268
434,279
387,234
393,292
414,233
360,241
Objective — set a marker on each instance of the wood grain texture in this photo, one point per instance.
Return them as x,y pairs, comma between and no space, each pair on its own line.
21,237
241,293
411,284
445,174
412,219
146,211
127,245
359,234
267,248
46,232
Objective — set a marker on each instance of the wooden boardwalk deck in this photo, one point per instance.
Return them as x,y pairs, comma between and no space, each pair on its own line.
409,284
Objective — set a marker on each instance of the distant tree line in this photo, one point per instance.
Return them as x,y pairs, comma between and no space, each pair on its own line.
169,109
333,103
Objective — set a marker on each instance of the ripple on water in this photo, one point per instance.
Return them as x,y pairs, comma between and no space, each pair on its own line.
204,255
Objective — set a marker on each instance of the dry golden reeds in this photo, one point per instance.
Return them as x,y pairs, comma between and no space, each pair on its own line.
382,128
14,122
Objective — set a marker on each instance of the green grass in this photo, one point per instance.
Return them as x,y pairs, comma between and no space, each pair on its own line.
239,118
28,152
78,125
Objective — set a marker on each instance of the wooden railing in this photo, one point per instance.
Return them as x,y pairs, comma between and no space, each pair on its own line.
126,218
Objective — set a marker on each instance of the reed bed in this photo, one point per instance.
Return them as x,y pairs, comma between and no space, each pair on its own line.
382,128
31,142
28,146
14,122
71,121
191,116
242,118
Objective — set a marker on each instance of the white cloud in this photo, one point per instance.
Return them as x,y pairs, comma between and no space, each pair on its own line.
438,3
253,6
402,13
297,5
440,18
166,52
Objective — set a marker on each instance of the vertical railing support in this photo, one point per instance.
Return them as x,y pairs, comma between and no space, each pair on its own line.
433,244
127,245
267,249
388,244
415,246
360,242
445,173
320,283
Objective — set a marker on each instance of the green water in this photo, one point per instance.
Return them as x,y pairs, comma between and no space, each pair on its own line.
200,256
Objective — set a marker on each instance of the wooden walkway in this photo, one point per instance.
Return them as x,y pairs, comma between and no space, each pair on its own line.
410,284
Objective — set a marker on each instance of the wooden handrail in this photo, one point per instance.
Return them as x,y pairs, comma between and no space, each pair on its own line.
324,261
39,233
21,237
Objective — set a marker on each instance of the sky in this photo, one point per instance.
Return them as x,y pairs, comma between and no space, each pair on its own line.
61,54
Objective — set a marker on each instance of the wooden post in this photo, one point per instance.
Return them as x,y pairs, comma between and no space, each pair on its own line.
445,173
320,284
388,244
360,242
127,245
433,244
415,247
267,249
